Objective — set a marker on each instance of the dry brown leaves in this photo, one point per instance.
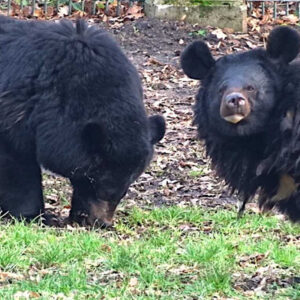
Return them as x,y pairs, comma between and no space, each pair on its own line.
114,14
259,21
258,283
7,277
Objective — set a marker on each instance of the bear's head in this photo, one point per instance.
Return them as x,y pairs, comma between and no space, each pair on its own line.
116,164
239,91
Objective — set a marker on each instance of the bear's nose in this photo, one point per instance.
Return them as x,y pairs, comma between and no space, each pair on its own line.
235,100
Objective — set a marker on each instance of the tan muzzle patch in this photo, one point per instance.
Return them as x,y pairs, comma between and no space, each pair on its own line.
102,211
287,187
234,118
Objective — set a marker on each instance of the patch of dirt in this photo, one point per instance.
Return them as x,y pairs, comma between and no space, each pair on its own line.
155,46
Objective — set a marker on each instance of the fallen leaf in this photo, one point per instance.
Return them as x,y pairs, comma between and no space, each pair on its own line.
6,276
291,19
133,282
106,248
219,34
134,9
63,11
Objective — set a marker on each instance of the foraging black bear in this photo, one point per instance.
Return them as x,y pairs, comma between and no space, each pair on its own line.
72,102
248,113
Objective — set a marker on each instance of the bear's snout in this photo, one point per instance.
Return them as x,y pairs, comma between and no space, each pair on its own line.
235,100
235,107
101,213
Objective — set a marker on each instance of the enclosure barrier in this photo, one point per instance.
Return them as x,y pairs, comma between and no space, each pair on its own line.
275,3
80,5
72,5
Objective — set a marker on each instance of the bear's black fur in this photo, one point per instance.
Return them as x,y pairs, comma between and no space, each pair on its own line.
72,102
247,113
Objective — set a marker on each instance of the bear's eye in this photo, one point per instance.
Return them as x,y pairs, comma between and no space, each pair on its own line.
222,90
250,88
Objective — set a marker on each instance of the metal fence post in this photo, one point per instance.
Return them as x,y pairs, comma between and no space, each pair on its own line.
8,7
33,7
264,4
70,8
45,7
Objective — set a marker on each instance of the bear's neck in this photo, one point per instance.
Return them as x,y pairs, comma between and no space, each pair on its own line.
236,160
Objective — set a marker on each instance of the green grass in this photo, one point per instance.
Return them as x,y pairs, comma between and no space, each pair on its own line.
168,253
197,173
200,33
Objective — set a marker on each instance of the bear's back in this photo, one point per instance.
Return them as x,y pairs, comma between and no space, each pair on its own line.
77,61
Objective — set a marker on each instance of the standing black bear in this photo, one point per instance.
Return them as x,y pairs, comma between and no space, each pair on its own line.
248,113
70,101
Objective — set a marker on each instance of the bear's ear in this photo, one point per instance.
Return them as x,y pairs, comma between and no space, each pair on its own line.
283,44
94,137
196,60
157,127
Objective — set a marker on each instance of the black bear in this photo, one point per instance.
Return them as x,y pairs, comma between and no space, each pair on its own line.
247,112
71,102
